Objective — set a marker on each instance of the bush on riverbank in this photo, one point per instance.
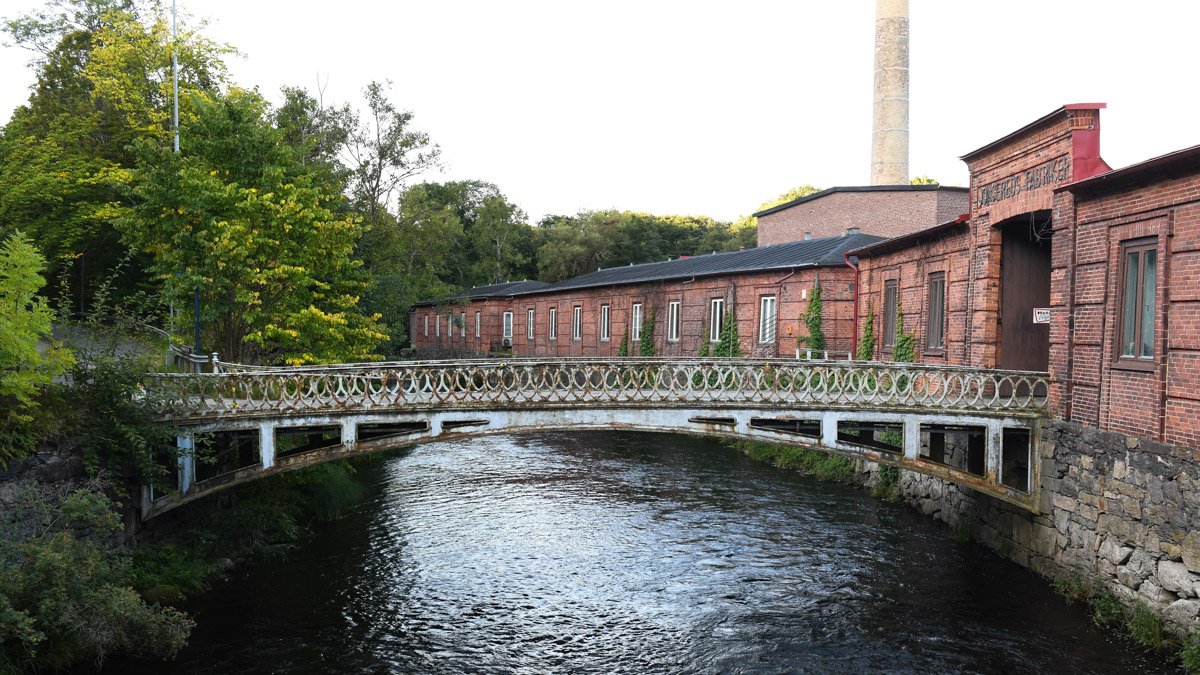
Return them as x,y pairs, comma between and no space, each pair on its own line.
821,465
65,594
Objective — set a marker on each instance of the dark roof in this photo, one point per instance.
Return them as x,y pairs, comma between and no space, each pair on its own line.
855,188
1169,165
823,252
912,238
1045,118
504,290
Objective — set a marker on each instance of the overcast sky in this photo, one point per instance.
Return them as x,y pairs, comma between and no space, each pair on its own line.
708,107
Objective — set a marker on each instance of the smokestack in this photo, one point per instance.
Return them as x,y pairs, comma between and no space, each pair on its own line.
889,136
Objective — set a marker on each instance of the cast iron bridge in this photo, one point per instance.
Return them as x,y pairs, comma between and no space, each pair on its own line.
976,427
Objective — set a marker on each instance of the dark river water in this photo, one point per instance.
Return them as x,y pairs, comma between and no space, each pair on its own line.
621,552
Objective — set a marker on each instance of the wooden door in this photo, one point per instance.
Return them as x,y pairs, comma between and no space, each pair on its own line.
1024,284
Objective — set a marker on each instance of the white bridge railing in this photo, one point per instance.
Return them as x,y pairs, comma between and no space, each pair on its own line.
255,391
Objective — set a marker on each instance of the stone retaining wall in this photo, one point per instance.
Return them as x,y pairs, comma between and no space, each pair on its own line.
1118,510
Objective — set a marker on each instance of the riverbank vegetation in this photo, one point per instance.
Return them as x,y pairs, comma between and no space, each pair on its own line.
1136,620
821,465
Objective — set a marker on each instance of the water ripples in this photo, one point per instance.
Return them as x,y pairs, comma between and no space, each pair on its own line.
633,553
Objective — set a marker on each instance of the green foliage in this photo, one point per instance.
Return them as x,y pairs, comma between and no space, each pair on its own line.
386,152
65,594
923,180
572,245
821,465
24,368
705,350
103,82
792,194
905,348
107,414
623,348
646,341
1144,626
866,341
329,489
888,486
1189,653
1073,588
1106,609
963,529
241,220
729,346
815,340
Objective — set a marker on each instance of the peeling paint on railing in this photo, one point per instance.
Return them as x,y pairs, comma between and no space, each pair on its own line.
254,391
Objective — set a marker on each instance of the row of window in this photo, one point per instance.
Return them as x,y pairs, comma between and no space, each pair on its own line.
935,318
461,322
767,319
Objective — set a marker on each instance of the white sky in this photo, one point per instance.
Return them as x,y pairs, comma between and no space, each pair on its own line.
705,107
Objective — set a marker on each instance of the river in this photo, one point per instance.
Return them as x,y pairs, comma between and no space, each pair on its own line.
624,552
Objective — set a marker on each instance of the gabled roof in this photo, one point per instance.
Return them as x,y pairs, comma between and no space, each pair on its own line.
1169,165
825,252
1041,120
504,290
856,188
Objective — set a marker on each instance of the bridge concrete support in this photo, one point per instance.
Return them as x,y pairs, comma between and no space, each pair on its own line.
912,438
266,444
993,448
349,432
185,446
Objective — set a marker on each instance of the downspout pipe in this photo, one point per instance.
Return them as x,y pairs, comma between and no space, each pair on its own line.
854,266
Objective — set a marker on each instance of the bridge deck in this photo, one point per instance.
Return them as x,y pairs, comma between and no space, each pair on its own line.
854,408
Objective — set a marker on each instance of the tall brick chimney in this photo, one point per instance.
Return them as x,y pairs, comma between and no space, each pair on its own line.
889,135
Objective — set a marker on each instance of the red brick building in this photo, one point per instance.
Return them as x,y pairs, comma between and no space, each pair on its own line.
1065,265
882,210
767,289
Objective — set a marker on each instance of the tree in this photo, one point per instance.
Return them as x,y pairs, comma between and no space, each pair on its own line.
240,220
104,81
797,192
409,257
496,237
383,152
317,133
25,319
815,340
923,180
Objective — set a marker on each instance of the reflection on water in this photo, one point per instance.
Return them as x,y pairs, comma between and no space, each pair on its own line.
606,552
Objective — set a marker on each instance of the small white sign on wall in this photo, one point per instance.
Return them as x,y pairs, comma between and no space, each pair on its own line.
1041,315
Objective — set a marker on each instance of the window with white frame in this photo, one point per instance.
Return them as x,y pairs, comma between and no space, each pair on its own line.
529,323
553,333
508,319
673,321
635,322
437,325
716,318
450,325
462,323
426,325
766,318
577,323
478,324
605,327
